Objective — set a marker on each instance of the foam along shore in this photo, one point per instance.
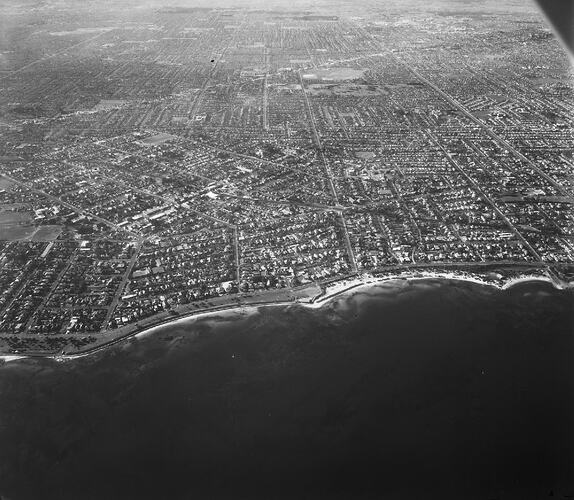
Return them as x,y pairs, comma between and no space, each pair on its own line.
232,311
331,291
343,286
530,279
11,357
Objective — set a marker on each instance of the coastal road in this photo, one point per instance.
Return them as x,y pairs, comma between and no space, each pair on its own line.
234,302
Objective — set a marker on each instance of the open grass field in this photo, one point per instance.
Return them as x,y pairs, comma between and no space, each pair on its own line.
13,217
47,233
345,89
154,140
5,184
15,232
334,74
15,226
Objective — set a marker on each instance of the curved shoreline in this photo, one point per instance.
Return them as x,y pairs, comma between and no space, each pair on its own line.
340,287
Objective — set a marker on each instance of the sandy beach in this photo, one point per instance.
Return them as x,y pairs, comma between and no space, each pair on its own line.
380,367
332,291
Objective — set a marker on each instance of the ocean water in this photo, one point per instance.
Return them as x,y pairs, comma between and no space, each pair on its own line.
426,389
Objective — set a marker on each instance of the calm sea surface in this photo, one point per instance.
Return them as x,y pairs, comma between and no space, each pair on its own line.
422,390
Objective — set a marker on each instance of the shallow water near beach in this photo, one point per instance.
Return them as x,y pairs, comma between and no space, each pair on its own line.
396,390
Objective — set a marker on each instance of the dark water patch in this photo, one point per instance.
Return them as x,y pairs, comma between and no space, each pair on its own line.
432,389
